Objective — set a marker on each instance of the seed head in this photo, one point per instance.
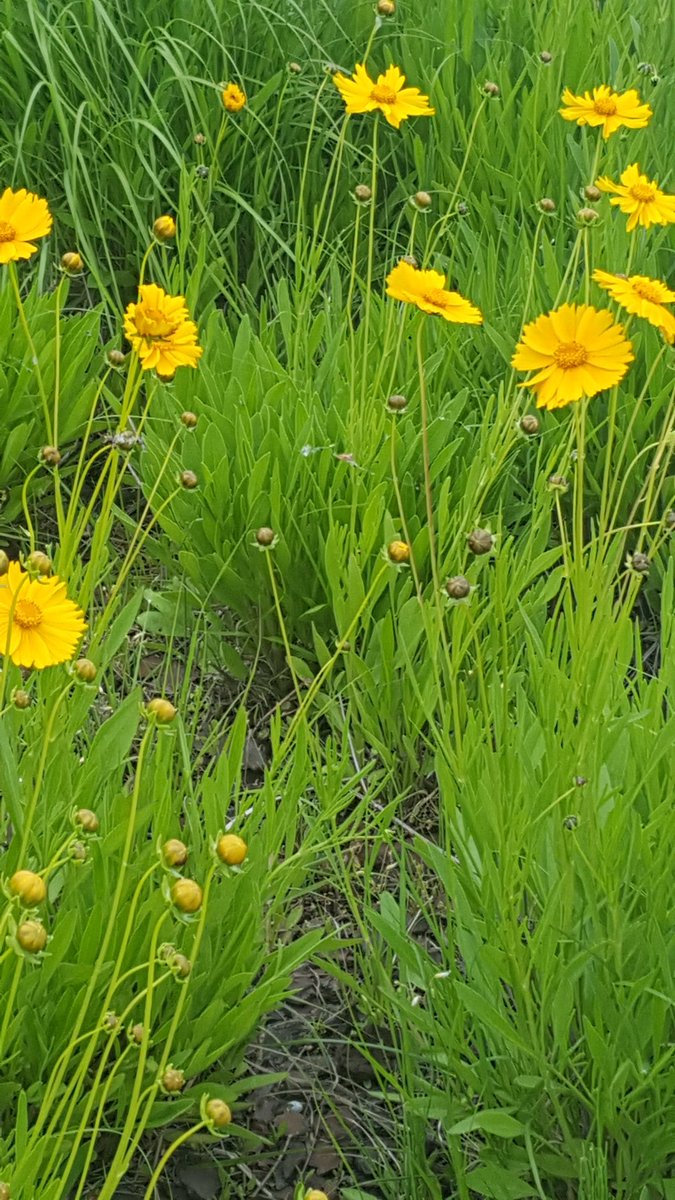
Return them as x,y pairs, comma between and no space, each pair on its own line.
31,936
85,670
218,1113
164,229
174,853
529,424
490,88
265,536
50,455
199,139
547,205
421,201
28,887
72,262
187,895
116,358
20,698
188,480
481,541
162,710
398,552
189,419
386,8
362,193
638,562
587,216
458,587
558,483
546,57
4,563
592,193
397,403
87,820
231,849
173,1080
38,563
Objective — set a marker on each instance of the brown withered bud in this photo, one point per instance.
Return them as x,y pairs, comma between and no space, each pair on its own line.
87,820
50,455
638,562
587,216
490,88
39,563
546,205
592,193
458,587
546,57
481,541
188,480
173,1080
265,536
529,424
362,193
189,419
116,358
397,403
558,483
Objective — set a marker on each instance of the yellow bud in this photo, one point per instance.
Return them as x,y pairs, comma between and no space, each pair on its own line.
173,1080
315,1194
385,8
85,670
187,895
162,710
174,853
31,936
29,887
72,262
231,849
164,229
87,819
38,563
4,563
399,552
4,1191
218,1113
189,419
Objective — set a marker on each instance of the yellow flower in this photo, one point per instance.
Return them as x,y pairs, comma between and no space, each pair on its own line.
161,332
427,290
388,95
39,625
575,351
233,97
640,198
23,217
607,108
640,295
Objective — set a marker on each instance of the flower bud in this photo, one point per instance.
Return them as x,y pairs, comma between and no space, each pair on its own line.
670,519
187,895
481,541
462,209
580,781
231,849
38,563
31,936
397,403
410,260
315,1194
72,262
386,8
265,536
137,1033
188,480
87,820
546,57
587,216
294,68
218,1113
558,483
162,710
421,201
84,670
78,852
529,424
4,1191
362,193
164,229
490,88
638,562
570,822
398,552
546,205
189,419
50,455
20,698
4,563
458,587
202,172
174,853
116,358
592,193
173,1080
199,139
29,887
180,965
111,1022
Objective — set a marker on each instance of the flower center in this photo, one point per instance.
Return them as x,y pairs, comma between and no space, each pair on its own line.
154,324
605,106
7,232
647,291
570,354
643,191
436,296
27,614
382,94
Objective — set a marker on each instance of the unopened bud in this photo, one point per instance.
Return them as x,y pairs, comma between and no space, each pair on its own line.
162,710
592,193
638,562
265,536
5,1193
38,563
173,1080
398,552
218,1113
410,260
421,201
529,424
362,193
558,483
386,8
189,419
188,480
137,1033
4,563
462,209
31,936
180,965
490,88
458,587
397,403
546,57
481,541
294,68
116,358
174,853
28,887
199,139
231,849
87,820
78,852
164,229
84,670
50,455
570,822
20,698
587,216
72,262
315,1194
187,895
547,205
202,172
670,519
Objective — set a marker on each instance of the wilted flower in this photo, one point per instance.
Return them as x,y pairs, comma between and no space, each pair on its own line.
640,295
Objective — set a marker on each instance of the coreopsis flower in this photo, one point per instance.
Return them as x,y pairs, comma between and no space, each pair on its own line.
39,625
161,331
606,108
427,290
640,198
23,218
233,98
575,351
642,296
388,95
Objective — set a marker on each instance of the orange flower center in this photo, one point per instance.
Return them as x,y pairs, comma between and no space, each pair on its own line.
605,106
643,192
570,354
7,232
647,291
154,324
436,296
27,615
382,94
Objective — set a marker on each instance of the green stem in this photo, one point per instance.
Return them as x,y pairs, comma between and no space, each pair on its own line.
14,280
179,1141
